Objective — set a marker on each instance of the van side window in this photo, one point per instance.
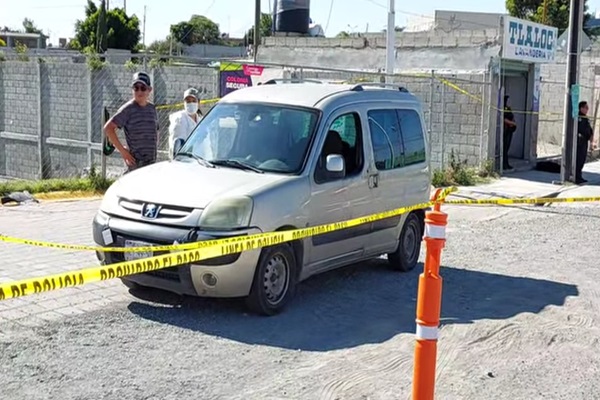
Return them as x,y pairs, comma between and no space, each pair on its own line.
386,139
412,135
344,137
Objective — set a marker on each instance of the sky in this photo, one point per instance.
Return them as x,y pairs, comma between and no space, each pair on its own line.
57,18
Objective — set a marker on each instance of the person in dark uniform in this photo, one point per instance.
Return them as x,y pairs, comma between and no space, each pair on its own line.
585,135
510,126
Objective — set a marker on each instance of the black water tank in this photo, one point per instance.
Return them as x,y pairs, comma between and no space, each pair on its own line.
292,16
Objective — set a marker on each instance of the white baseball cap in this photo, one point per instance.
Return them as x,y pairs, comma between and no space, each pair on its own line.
191,92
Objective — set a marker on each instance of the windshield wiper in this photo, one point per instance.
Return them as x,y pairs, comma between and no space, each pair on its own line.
200,160
238,164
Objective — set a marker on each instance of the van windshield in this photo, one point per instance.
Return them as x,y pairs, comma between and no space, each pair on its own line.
261,137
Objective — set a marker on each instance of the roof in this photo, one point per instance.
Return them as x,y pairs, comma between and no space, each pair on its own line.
304,94
22,35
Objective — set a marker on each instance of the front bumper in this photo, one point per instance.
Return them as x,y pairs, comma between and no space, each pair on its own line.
226,276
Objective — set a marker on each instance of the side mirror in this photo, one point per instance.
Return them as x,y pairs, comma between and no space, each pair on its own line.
335,166
177,145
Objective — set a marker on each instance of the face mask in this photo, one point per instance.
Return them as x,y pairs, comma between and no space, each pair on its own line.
191,108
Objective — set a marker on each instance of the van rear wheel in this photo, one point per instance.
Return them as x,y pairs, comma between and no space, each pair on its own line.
406,256
274,282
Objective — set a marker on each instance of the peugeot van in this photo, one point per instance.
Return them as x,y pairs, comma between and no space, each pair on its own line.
275,157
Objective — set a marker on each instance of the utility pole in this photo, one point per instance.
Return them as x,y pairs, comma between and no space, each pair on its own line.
390,46
569,122
256,27
545,14
125,6
144,38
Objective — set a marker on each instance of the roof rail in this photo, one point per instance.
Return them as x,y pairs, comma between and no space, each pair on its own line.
290,80
360,87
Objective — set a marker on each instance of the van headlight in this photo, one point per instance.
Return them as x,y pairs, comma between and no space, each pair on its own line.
226,214
110,200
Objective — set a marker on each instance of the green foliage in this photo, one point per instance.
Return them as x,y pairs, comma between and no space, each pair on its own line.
342,35
163,47
30,27
198,30
122,31
557,13
102,29
93,59
459,174
156,63
265,28
2,43
131,66
21,50
93,183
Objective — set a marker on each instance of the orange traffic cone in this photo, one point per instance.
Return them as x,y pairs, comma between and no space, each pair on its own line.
429,303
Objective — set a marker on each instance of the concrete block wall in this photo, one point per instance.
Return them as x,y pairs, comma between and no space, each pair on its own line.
51,112
65,99
552,102
19,101
456,119
404,39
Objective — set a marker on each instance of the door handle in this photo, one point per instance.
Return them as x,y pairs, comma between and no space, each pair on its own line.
373,180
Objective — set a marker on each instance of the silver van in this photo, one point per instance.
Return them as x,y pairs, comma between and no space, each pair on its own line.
275,157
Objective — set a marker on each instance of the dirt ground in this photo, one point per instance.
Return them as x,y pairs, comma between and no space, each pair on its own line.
520,320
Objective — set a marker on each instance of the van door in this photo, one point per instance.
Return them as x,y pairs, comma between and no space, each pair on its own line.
335,200
388,158
400,163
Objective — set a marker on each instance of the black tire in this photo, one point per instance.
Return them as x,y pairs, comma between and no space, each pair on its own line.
265,297
406,256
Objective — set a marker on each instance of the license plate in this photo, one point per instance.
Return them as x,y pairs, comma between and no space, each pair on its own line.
130,256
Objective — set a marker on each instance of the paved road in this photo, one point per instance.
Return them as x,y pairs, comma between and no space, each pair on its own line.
520,320
65,222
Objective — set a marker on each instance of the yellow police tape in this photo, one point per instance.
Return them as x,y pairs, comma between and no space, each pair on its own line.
540,200
199,251
198,245
179,105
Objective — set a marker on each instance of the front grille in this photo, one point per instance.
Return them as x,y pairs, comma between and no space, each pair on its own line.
166,212
171,274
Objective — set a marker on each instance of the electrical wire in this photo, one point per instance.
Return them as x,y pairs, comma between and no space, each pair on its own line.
209,7
433,18
329,16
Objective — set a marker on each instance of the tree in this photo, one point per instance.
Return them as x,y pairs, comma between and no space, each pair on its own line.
101,30
30,27
265,28
122,31
198,30
557,12
165,47
342,35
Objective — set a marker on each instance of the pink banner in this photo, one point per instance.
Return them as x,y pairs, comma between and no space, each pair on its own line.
253,70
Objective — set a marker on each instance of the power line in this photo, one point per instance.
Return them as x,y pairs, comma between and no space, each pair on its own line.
433,18
209,7
329,16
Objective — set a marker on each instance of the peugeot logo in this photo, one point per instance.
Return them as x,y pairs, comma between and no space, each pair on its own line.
150,211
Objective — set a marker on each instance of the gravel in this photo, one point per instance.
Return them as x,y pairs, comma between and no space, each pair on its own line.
520,321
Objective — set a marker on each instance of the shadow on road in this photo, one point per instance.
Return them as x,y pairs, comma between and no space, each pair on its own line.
355,306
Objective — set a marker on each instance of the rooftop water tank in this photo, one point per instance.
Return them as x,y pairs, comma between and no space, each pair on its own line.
292,16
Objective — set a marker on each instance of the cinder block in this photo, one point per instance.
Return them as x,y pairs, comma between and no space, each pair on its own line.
449,41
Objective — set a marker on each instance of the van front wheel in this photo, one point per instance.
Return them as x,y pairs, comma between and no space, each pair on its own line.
274,280
406,256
